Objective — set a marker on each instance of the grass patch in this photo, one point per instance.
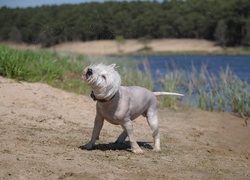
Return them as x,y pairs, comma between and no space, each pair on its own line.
62,71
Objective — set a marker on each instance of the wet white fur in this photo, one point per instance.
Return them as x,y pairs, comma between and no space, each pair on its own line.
104,82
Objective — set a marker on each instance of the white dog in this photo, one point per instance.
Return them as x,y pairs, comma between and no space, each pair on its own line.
120,105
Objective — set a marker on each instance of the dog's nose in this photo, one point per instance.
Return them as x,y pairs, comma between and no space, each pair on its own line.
89,73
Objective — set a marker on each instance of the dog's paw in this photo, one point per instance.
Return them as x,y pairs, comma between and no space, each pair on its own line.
137,151
157,149
88,146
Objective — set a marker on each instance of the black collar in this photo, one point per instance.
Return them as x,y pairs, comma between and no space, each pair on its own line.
92,95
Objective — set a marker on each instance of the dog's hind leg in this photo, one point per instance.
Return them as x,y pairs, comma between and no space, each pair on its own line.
122,137
153,123
128,127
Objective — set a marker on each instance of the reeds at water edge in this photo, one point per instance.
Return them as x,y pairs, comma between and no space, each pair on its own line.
222,92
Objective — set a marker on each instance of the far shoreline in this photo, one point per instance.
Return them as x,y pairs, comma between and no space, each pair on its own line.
230,52
134,47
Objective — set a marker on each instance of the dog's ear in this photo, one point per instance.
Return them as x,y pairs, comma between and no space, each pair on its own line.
112,66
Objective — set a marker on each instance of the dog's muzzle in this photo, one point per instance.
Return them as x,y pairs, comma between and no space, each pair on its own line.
89,73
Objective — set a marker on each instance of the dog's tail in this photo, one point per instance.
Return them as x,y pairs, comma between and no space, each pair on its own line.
167,93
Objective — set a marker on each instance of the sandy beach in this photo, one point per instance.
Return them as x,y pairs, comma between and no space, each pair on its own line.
107,47
42,130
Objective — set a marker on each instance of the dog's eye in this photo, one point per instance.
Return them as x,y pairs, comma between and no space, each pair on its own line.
104,77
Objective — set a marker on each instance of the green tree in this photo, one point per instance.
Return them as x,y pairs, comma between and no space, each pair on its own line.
220,33
246,39
145,42
120,41
15,35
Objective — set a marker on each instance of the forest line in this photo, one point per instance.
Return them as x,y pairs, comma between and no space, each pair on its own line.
226,21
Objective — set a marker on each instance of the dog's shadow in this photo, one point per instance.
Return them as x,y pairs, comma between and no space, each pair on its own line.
118,146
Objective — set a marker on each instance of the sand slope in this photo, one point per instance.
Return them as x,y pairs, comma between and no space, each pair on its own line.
110,47
106,47
42,128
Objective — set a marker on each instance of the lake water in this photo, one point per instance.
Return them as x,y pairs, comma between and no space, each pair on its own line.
239,64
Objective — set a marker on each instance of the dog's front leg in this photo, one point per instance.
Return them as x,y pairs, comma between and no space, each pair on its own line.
128,127
96,131
122,137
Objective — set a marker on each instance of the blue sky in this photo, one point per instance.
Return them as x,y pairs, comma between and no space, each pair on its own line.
33,3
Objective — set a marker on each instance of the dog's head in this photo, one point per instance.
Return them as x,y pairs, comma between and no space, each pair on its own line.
103,79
